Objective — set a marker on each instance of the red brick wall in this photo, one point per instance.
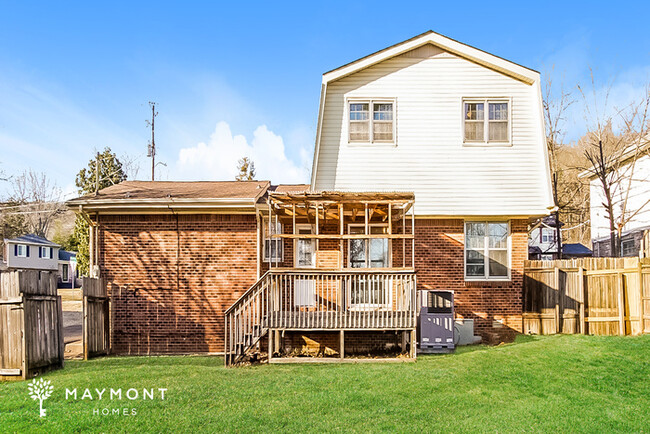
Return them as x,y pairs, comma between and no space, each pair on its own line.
496,307
175,279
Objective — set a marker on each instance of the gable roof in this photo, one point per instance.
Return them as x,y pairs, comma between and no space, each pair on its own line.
167,195
32,239
450,45
65,255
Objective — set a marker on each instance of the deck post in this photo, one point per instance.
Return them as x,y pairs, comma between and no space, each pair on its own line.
413,344
342,344
276,345
270,344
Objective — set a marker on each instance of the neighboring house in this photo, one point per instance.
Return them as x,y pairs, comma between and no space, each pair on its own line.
634,237
68,276
430,161
31,252
542,242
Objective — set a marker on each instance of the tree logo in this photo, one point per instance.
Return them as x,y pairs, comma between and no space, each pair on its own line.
41,390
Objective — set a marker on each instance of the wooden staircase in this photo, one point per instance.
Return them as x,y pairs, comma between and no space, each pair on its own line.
246,321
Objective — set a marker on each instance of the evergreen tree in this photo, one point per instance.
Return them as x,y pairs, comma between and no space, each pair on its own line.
246,170
110,172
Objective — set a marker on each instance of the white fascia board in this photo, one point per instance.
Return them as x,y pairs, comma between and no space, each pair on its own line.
481,57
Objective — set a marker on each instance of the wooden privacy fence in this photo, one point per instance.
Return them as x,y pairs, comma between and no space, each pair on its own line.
96,318
597,296
31,324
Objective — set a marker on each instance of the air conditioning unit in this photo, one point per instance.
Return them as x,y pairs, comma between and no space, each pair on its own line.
436,322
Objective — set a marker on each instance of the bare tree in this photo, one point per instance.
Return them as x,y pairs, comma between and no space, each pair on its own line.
566,194
613,155
246,169
38,199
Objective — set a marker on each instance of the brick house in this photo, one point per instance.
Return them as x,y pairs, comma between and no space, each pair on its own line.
430,162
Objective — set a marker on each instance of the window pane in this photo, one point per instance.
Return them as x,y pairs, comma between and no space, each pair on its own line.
475,233
473,111
474,131
498,131
475,261
498,235
378,253
498,263
382,131
358,112
498,111
359,131
383,112
305,253
358,253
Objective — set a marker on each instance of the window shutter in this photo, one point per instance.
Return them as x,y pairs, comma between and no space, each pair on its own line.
40,252
27,250
15,249
51,252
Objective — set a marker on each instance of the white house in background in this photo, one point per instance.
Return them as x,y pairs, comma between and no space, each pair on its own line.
542,242
634,240
31,252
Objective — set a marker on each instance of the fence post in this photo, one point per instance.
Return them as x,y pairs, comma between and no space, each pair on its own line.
581,289
556,271
641,300
621,304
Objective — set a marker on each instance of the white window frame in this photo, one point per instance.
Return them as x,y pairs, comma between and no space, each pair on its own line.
295,247
549,238
268,239
486,256
371,102
43,250
22,247
629,240
65,269
486,121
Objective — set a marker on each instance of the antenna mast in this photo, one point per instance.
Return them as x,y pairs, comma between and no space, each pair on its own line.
151,149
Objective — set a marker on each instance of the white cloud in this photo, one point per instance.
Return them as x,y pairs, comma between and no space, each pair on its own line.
217,159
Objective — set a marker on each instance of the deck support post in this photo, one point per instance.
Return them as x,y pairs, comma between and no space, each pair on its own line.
413,345
276,345
342,344
270,344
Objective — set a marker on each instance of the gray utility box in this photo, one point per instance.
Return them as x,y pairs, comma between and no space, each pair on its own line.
436,321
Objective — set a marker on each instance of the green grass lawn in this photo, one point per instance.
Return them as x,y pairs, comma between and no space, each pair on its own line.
560,383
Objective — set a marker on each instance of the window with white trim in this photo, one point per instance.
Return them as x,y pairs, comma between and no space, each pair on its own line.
548,235
273,247
21,250
479,128
628,248
45,252
371,121
487,250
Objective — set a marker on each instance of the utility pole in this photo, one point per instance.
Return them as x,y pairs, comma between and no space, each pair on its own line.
97,174
151,149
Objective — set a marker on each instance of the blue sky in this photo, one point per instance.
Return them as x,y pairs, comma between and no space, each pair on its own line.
245,77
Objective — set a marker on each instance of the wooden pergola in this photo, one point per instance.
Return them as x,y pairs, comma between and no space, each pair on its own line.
361,208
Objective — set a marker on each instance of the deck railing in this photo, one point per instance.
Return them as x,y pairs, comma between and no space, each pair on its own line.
297,299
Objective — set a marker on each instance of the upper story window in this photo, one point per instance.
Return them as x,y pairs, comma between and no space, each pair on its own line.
371,121
21,251
548,235
487,251
45,252
479,127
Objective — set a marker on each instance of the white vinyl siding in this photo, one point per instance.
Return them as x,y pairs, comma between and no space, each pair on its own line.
431,158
